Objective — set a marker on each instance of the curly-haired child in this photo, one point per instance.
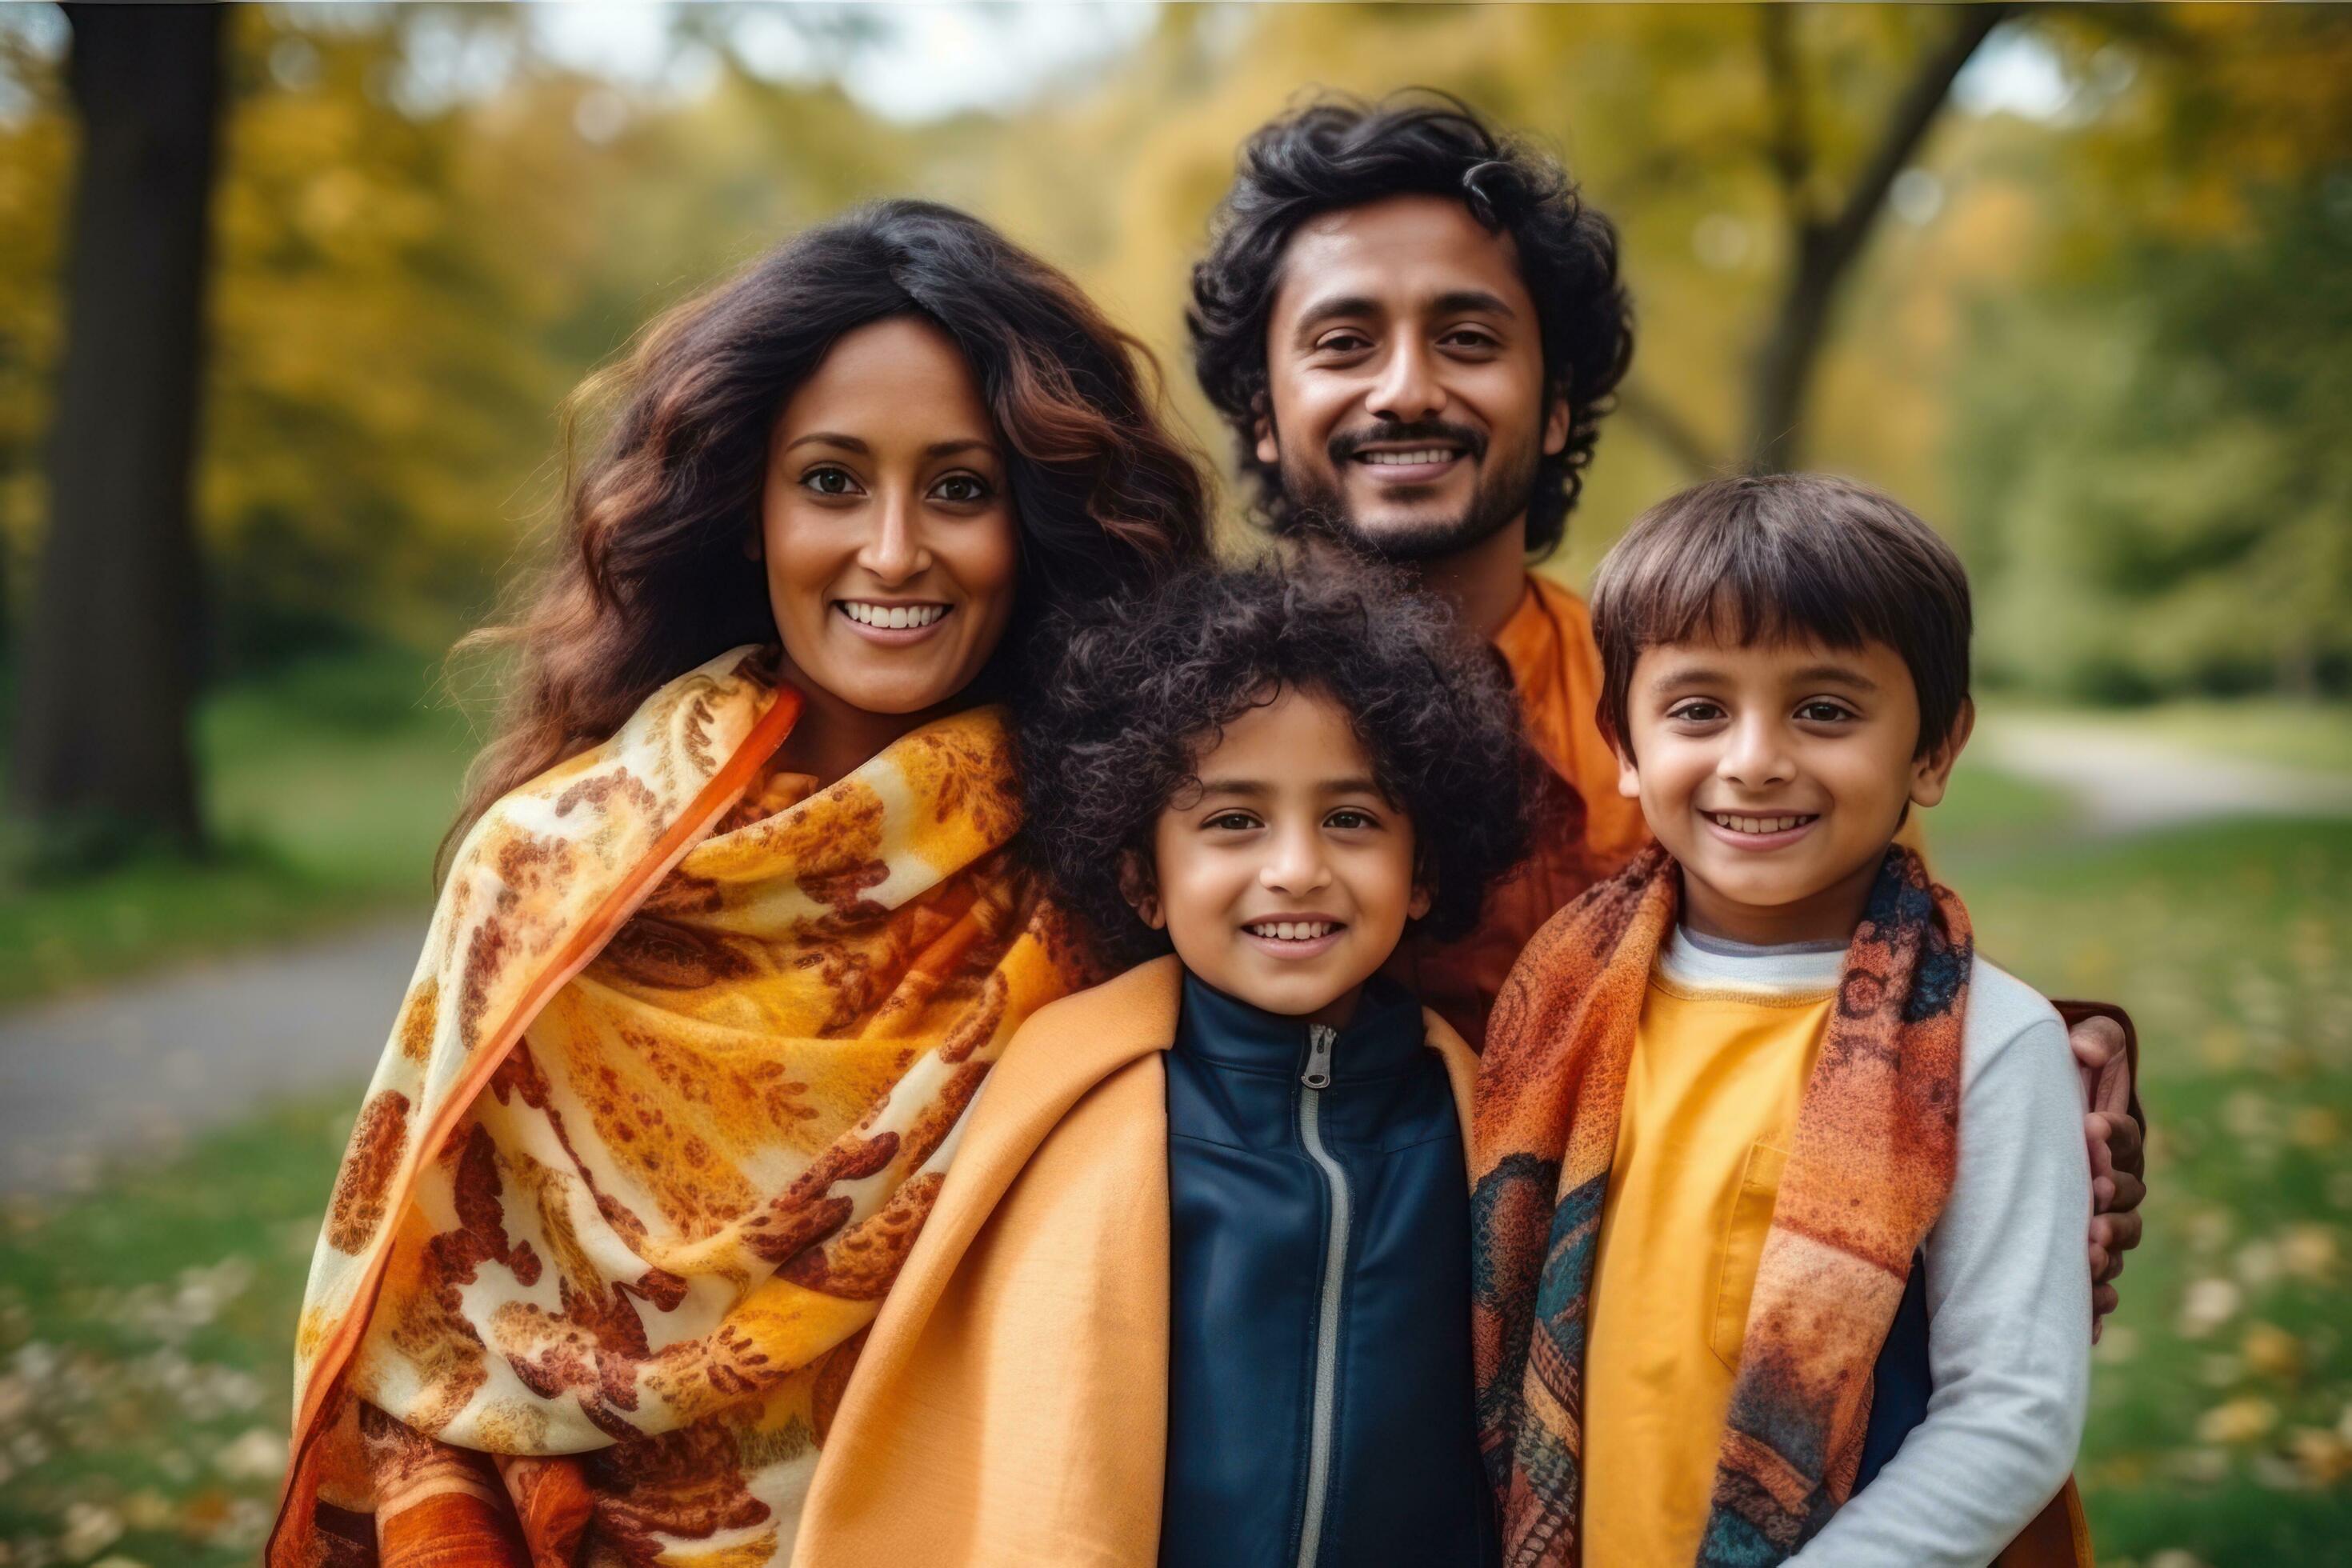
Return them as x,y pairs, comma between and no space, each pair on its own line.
1196,1289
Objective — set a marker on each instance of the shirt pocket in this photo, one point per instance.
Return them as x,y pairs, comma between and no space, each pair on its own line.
1742,1249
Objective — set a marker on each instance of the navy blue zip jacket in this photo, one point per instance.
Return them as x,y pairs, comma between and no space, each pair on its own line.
1319,1407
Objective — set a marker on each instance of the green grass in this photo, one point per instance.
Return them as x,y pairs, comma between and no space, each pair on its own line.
2222,1422
146,1349
327,788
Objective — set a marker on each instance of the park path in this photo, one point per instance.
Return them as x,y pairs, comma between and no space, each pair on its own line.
138,1067
133,1069
2124,781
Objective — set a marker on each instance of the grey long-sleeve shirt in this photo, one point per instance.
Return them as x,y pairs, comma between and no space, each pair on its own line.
2008,1295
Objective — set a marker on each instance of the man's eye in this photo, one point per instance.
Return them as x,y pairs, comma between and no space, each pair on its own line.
829,482
1345,343
1469,337
961,487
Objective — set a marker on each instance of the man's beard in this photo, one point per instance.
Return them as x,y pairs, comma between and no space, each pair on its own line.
1318,507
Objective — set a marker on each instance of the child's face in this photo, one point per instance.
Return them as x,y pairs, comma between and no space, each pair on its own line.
1776,775
1286,830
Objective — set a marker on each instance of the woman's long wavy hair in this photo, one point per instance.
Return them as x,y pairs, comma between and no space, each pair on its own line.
652,578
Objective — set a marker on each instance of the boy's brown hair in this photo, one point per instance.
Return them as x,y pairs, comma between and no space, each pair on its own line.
1776,556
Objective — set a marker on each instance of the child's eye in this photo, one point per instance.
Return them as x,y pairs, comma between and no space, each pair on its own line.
1348,818
962,489
1697,712
1231,821
829,482
1821,710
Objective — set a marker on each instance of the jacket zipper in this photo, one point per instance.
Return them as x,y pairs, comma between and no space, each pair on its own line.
1315,1079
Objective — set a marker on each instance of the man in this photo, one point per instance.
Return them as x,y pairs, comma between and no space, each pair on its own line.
1413,327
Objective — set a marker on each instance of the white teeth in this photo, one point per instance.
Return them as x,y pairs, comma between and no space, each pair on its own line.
1432,455
892,617
1758,824
1291,931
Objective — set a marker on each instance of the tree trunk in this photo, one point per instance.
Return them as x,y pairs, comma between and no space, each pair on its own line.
107,678
1824,248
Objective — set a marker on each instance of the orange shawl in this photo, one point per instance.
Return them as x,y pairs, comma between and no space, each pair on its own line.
672,1092
1872,1163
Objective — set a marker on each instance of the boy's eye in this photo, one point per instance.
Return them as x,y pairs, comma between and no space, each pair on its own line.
1231,821
1697,712
1348,818
1821,710
961,487
830,481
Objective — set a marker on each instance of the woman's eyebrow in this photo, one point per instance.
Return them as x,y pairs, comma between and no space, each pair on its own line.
961,444
828,439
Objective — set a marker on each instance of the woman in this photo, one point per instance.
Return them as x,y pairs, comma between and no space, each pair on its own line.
733,925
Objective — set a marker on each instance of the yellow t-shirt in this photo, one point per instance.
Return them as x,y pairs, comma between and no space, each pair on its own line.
1711,1100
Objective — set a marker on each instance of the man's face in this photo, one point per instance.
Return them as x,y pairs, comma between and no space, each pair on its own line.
1404,367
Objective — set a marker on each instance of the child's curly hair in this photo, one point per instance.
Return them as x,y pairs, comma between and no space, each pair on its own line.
1141,688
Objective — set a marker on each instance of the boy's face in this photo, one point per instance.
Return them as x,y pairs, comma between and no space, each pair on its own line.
1776,775
1287,833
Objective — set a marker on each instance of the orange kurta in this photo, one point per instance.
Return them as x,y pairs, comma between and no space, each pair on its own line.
1584,829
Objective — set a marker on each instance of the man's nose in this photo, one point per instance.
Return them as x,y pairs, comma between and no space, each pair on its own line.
1409,388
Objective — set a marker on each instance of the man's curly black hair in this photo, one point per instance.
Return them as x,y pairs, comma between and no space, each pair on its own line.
1114,728
1340,152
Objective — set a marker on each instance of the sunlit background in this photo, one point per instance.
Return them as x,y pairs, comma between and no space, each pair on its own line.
2078,289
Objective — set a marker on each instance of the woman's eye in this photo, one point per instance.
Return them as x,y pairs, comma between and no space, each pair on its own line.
829,482
960,487
1345,343
1468,337
1825,712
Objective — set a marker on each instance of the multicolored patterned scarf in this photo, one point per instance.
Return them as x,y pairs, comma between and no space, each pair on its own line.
1869,1171
672,1092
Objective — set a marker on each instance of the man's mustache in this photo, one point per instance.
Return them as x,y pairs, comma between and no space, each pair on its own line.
1346,444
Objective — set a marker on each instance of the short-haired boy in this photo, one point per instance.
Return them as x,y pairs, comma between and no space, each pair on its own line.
1737,1099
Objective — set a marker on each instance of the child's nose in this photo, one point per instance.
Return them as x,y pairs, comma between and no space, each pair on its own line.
1757,754
1296,866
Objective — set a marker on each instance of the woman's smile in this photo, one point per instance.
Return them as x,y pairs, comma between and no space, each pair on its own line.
892,625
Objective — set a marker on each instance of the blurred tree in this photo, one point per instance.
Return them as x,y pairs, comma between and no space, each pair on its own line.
2152,482
101,722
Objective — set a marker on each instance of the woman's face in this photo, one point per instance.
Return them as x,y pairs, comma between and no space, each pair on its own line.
885,521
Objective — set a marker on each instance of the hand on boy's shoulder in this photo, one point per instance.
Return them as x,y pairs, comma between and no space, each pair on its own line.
2102,1044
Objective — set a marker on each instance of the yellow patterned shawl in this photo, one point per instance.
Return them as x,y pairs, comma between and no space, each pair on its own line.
671,1093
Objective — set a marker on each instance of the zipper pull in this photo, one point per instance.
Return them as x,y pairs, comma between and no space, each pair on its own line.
1320,1038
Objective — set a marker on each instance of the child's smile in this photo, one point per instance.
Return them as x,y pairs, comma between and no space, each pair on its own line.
1775,774
1285,878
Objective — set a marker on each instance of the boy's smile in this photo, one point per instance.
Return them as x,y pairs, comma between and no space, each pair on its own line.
1777,774
1285,879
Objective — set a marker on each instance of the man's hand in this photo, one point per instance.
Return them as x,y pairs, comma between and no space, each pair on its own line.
2118,1157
